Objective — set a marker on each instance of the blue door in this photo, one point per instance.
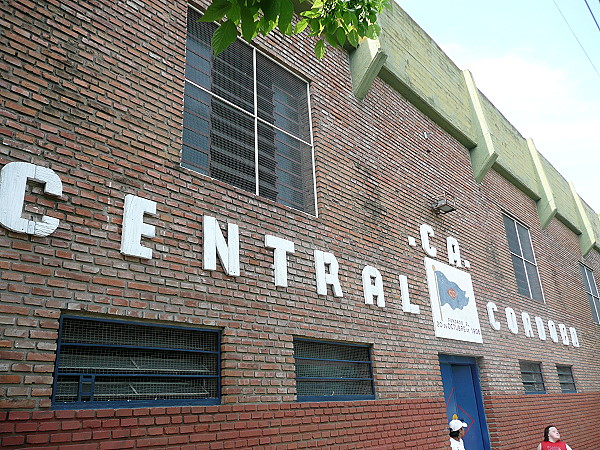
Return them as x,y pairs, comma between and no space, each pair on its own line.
462,392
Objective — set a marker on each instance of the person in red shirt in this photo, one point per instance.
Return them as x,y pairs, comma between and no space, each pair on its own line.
552,440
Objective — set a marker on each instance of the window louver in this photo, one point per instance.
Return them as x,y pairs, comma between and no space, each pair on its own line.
242,110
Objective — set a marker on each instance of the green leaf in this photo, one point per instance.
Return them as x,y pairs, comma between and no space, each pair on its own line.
332,21
286,13
312,13
320,49
271,10
316,27
216,11
331,28
341,36
224,36
353,38
361,29
331,39
249,25
266,26
253,7
347,18
376,30
300,26
370,32
234,13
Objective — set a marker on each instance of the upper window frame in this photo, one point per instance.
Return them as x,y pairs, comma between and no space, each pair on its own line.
591,290
524,248
280,168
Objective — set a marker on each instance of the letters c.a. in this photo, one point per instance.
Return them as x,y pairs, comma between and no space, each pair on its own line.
13,184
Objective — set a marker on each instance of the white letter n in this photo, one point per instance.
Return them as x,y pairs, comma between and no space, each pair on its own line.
214,243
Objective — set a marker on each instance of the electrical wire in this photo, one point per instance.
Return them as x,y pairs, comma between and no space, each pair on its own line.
592,13
576,38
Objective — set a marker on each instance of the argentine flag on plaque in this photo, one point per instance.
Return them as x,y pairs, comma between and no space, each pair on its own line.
452,302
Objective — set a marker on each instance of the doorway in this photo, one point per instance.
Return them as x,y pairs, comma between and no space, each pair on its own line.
462,393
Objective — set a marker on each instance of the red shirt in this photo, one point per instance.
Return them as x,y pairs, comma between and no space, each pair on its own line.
560,445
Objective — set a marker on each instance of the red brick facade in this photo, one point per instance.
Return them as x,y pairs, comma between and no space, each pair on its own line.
385,424
516,420
94,91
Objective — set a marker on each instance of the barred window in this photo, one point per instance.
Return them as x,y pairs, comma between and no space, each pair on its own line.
565,378
110,364
246,120
592,292
523,259
331,371
531,373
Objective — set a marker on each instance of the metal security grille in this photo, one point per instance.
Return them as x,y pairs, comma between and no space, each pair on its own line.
329,371
246,120
524,264
592,292
565,378
531,374
103,361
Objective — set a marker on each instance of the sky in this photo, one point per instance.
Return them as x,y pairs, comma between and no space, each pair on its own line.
528,63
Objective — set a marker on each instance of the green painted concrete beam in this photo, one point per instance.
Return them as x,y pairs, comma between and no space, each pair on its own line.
365,63
560,195
410,62
590,237
546,205
419,70
483,156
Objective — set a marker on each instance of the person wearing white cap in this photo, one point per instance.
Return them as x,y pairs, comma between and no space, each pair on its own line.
457,431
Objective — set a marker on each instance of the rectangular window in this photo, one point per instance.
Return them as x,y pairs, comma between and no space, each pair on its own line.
531,373
110,364
592,292
246,120
523,259
330,371
565,378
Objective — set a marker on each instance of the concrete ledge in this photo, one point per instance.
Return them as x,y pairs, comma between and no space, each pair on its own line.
483,156
546,205
410,61
419,70
365,63
590,237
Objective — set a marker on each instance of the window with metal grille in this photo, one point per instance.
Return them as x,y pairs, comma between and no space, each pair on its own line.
592,292
110,364
531,373
565,378
523,259
246,120
331,371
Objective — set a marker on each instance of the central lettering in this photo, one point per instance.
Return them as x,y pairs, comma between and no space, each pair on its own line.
15,176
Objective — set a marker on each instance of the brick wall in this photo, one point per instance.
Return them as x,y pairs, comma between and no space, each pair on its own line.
333,425
518,422
94,91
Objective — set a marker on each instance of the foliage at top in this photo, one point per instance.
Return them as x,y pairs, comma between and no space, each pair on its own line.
336,21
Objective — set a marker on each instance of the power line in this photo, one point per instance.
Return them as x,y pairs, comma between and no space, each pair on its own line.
592,13
576,38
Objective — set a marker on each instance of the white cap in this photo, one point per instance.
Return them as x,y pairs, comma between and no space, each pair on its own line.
456,425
